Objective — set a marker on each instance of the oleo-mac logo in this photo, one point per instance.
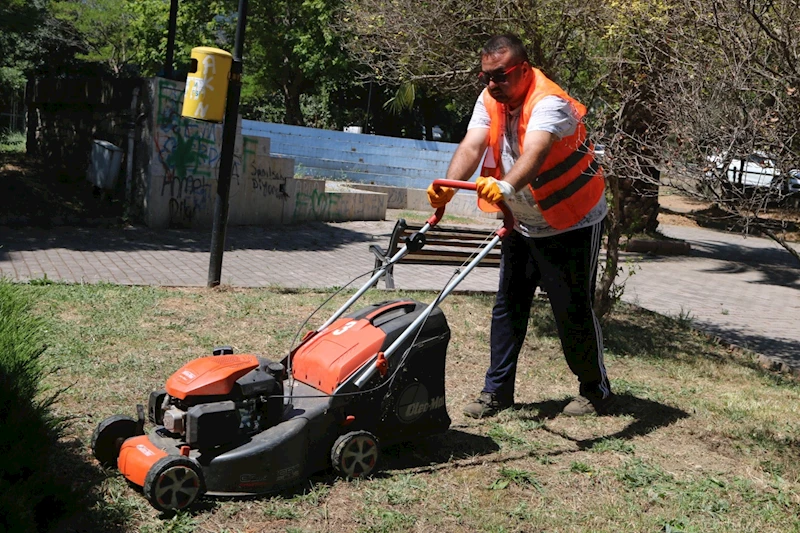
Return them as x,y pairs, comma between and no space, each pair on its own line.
414,403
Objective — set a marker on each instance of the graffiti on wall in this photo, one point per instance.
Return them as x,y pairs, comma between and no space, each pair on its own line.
263,179
316,205
187,152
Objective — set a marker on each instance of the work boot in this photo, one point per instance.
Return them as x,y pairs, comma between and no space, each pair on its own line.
486,405
590,404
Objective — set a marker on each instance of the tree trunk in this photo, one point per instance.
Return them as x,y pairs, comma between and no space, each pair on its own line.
639,201
293,113
607,292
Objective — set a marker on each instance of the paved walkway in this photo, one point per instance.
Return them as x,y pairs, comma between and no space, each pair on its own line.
745,290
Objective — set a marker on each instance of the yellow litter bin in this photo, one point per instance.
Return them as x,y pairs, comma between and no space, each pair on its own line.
207,84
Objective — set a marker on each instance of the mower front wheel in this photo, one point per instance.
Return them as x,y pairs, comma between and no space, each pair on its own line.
355,454
173,483
108,437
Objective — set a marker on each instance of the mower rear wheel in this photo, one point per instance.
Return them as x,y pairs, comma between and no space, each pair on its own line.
355,454
173,483
108,437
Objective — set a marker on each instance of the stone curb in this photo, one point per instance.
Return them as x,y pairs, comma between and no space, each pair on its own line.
658,247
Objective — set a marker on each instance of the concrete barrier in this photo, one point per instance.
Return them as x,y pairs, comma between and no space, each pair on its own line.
314,199
182,168
464,203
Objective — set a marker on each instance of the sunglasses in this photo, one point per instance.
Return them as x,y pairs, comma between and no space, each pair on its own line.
497,77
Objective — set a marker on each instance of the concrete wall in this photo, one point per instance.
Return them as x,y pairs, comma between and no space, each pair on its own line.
371,159
400,168
464,203
182,167
175,161
313,199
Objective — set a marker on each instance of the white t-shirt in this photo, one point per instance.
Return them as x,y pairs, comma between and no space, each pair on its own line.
551,114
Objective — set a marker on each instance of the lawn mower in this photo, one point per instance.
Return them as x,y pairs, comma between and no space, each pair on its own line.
240,424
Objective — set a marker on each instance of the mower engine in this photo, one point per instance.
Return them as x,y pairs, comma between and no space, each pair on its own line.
214,401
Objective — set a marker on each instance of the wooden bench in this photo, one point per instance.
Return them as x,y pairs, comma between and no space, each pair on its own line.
446,246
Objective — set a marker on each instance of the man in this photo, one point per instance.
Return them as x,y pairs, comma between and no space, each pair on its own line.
540,162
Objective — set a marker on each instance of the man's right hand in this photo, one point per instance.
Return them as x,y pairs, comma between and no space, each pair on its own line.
439,196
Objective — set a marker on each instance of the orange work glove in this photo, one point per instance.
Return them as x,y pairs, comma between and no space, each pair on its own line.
492,190
439,196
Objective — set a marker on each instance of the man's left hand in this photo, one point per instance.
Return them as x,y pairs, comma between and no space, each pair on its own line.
492,190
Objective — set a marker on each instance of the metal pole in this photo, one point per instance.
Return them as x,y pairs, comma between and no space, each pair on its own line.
173,23
369,102
226,156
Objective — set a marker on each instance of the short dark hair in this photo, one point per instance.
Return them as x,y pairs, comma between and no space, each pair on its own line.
507,41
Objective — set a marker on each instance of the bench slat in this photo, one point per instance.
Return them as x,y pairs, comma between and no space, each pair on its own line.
442,261
445,253
444,246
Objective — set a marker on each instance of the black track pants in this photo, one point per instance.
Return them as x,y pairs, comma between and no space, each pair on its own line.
565,266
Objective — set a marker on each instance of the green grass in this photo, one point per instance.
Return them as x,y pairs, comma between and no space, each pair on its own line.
704,439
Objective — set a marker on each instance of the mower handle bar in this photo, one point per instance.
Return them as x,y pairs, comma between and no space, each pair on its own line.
508,216
508,226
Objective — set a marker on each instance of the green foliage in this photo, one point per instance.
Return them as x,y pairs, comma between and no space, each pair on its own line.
130,36
501,434
579,467
12,141
292,49
29,493
403,99
18,19
102,27
388,521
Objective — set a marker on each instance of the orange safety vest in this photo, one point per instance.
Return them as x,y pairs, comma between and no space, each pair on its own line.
570,182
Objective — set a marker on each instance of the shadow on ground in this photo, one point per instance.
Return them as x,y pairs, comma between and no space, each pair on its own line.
648,416
438,449
59,211
311,236
79,506
775,265
34,195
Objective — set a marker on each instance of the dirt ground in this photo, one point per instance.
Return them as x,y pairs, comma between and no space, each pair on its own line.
679,210
31,194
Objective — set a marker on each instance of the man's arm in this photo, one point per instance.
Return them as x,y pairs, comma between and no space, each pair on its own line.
537,146
468,154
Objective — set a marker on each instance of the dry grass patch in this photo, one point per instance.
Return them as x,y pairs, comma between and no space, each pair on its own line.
703,440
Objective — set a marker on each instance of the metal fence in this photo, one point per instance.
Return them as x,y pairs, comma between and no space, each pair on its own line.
12,116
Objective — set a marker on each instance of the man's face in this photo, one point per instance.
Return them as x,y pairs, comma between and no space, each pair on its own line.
512,91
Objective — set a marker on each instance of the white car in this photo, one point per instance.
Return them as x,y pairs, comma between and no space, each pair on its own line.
758,170
599,151
793,183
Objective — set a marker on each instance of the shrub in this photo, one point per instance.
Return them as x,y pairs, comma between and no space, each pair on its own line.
30,494
12,141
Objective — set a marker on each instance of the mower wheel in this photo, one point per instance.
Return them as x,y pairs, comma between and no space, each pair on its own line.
355,454
108,437
173,483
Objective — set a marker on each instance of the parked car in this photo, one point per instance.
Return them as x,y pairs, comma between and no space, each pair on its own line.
793,183
599,151
757,170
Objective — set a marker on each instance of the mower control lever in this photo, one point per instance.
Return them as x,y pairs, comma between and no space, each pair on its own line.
508,216
415,241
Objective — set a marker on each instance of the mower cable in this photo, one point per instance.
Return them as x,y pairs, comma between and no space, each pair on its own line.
308,318
386,382
393,374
